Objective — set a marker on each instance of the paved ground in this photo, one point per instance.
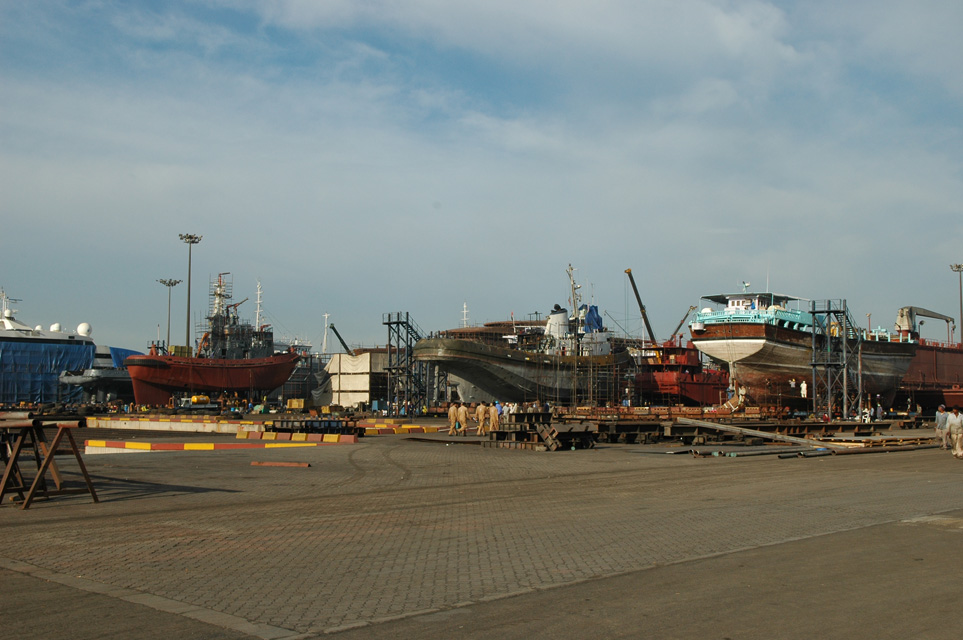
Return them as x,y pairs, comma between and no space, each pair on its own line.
401,538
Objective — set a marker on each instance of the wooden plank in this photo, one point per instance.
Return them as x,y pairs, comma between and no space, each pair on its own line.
258,463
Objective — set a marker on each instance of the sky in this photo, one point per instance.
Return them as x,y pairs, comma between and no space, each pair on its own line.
364,157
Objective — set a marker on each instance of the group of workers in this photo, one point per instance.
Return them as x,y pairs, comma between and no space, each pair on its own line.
459,417
949,429
485,413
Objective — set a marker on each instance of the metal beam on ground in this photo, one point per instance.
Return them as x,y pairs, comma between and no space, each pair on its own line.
760,434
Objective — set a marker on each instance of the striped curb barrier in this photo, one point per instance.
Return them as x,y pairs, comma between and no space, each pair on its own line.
285,436
122,446
380,429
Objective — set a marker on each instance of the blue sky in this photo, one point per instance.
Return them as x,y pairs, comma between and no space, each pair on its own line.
369,157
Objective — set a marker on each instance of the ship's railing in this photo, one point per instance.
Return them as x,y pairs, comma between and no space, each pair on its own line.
942,344
875,336
782,317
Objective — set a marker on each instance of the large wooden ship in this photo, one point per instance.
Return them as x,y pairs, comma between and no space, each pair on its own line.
767,346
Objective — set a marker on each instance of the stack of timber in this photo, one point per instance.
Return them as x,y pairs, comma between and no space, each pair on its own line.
535,431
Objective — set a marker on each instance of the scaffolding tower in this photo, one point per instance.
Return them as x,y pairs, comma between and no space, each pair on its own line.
836,357
411,383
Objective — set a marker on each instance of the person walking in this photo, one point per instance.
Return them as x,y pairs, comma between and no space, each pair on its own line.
954,422
941,430
493,417
481,414
452,418
462,423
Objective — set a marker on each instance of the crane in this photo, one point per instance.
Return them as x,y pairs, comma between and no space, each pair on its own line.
682,321
638,298
233,307
906,318
340,339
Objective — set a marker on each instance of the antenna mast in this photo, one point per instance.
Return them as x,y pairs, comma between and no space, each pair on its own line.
257,313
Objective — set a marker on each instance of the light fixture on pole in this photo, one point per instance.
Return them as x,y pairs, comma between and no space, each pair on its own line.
959,270
170,284
191,240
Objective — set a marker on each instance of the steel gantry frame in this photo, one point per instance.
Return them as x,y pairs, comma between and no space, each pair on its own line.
836,359
411,383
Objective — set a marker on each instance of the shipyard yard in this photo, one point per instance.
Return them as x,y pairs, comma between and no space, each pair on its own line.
426,536
629,487
270,265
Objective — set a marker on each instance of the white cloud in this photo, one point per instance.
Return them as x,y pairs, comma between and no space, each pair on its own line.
700,143
919,39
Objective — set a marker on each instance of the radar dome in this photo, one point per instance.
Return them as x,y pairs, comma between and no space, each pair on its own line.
55,327
84,329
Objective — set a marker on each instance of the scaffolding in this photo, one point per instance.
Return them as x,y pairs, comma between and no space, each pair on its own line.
411,383
836,359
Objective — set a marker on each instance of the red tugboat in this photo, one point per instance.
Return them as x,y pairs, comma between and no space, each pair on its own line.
233,356
672,371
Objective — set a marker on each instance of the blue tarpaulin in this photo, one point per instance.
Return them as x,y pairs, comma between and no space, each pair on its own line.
29,369
118,355
593,321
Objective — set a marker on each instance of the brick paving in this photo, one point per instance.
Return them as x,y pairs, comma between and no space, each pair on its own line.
392,527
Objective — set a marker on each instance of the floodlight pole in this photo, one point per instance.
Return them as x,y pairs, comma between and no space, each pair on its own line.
191,240
959,270
170,284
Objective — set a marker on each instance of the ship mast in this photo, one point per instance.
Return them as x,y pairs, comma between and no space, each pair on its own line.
220,295
257,312
5,301
575,300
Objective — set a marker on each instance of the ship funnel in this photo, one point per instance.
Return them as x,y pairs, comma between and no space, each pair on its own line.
557,325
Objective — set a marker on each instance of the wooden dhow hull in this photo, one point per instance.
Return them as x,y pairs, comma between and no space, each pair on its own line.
771,362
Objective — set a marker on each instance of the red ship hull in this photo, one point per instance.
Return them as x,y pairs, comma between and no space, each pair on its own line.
935,376
701,389
157,377
673,374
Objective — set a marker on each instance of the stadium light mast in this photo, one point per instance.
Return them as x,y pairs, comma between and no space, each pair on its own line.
170,284
959,270
191,240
